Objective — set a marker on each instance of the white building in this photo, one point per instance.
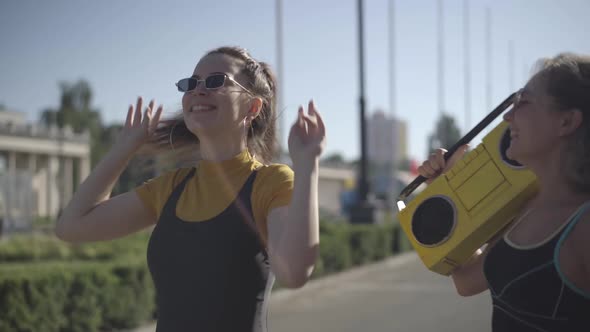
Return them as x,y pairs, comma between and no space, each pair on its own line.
386,149
386,139
39,168
331,183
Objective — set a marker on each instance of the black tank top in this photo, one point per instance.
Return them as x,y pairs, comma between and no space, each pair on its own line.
529,291
211,275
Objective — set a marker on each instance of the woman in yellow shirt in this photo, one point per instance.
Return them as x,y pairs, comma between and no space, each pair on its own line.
227,226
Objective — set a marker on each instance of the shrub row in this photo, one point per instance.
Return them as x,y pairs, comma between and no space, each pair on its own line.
345,245
42,247
85,296
52,286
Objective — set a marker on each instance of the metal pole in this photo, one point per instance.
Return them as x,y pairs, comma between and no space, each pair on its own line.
392,87
280,74
363,185
392,169
511,65
467,62
488,46
362,211
441,62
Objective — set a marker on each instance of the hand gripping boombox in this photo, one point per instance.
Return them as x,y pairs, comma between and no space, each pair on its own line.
466,206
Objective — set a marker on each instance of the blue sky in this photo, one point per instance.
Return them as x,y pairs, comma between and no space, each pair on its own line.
130,48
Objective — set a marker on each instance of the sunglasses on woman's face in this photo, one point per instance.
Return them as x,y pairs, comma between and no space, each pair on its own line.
212,82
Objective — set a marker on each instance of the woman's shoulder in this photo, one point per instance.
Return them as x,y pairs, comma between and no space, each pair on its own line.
273,187
279,172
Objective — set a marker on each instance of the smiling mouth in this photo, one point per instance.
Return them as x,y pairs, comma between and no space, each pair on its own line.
202,108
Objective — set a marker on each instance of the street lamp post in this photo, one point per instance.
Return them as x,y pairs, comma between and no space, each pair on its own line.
362,212
280,74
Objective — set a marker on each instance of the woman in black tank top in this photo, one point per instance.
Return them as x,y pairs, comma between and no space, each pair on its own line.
215,274
538,269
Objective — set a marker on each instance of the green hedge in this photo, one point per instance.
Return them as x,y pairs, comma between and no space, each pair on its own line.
50,285
41,247
344,245
80,296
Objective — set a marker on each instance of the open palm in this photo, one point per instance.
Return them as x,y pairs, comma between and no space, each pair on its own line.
307,137
139,125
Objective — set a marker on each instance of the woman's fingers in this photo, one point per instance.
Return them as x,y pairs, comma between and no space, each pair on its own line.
156,118
426,170
147,116
434,161
137,116
301,121
312,117
319,120
128,121
439,158
309,125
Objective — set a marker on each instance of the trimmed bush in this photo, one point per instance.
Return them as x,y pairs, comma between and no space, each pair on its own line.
75,296
29,301
48,285
363,240
335,251
40,247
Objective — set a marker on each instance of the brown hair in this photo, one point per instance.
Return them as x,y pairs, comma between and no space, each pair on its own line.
262,136
567,81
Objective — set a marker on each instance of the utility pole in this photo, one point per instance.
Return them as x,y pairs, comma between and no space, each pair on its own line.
280,73
363,211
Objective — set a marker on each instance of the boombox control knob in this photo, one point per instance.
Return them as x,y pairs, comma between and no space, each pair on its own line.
434,221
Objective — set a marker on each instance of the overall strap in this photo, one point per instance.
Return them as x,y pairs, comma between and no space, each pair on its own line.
243,203
170,205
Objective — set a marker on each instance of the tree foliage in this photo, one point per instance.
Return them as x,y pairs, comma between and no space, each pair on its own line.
75,110
446,133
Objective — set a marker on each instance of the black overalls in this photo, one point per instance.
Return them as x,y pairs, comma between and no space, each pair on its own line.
211,275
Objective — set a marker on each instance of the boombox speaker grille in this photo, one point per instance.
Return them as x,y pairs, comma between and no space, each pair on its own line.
433,221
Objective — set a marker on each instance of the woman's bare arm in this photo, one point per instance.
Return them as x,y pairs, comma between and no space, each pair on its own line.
92,215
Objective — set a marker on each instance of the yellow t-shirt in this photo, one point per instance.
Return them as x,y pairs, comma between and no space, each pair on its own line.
216,185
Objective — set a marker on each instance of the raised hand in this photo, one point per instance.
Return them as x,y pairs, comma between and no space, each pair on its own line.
307,137
139,125
435,165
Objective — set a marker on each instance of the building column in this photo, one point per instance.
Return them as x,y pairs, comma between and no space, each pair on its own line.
83,169
33,203
33,163
52,190
67,178
10,199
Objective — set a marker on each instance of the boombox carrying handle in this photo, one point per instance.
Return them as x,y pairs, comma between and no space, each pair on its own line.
409,189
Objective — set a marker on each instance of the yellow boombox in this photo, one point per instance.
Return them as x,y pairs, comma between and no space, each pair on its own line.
466,206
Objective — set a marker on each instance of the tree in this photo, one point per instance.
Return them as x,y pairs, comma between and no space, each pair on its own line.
446,134
139,169
75,110
334,158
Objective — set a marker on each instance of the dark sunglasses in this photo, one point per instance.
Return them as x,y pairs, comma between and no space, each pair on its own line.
212,82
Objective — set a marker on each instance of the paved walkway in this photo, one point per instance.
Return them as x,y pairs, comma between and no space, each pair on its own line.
395,295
